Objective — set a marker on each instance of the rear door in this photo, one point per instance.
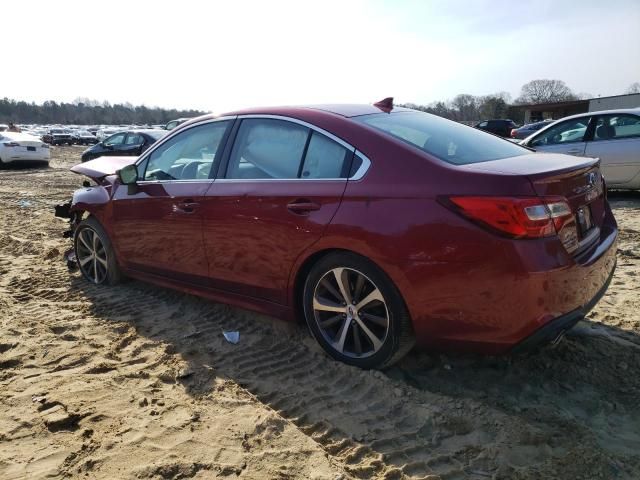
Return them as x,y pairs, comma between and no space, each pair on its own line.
565,137
616,141
281,185
158,224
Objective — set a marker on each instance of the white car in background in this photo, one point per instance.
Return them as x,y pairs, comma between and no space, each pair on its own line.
22,147
613,136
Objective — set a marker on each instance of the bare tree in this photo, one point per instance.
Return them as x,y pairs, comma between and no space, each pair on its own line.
634,88
466,106
545,91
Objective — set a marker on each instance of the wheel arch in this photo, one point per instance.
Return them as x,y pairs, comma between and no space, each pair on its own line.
306,263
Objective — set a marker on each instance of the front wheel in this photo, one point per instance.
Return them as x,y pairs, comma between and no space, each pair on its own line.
94,253
356,313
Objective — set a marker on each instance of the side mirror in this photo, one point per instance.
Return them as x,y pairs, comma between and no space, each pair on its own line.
128,175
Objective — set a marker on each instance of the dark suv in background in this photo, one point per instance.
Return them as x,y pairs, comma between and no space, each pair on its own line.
129,142
501,127
57,136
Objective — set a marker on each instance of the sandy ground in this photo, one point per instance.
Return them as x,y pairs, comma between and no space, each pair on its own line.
137,381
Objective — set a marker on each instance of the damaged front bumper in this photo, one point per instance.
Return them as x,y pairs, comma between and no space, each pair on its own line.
63,210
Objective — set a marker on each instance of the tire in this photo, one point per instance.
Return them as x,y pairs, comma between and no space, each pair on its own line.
108,272
388,335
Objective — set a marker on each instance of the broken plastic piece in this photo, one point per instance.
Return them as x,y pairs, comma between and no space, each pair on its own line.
232,337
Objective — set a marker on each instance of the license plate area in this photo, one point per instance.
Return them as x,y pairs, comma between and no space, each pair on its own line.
584,221
31,149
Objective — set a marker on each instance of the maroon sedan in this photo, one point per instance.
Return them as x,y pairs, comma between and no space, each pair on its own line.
381,227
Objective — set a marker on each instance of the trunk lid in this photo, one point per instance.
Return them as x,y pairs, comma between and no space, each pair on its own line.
102,167
577,179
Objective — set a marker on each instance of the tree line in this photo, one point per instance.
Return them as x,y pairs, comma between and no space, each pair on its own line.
87,112
463,107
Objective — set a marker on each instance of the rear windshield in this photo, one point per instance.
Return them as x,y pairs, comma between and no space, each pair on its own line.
157,134
449,141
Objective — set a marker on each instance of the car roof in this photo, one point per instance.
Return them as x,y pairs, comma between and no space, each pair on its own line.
344,110
635,111
304,111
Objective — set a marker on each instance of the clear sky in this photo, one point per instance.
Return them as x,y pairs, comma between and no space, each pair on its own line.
222,55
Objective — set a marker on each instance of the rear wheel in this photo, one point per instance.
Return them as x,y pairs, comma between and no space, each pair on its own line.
94,253
356,313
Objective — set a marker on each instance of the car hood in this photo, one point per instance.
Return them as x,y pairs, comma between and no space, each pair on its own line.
102,167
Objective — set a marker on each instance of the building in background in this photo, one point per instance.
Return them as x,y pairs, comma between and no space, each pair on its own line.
541,111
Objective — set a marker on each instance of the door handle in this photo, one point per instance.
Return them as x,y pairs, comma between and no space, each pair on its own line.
302,206
188,206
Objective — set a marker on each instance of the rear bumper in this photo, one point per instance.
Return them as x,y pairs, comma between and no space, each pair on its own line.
28,157
497,293
558,326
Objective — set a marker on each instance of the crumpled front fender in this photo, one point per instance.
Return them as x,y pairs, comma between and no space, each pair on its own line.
91,199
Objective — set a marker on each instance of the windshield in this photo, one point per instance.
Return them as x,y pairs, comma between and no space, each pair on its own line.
449,141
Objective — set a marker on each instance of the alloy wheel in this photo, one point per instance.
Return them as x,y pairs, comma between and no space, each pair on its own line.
351,312
91,256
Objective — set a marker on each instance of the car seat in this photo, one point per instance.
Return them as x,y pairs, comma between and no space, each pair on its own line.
605,132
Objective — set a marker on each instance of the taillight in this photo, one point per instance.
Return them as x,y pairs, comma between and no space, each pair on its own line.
521,217
11,144
513,133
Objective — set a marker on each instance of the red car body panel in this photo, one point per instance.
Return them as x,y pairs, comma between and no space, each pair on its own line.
463,285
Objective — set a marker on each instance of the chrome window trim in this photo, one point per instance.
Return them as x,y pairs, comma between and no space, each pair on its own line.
169,136
304,124
249,180
364,168
366,163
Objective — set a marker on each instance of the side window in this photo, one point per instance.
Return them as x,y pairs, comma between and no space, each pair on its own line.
267,148
134,139
565,132
483,125
325,158
612,127
117,139
190,155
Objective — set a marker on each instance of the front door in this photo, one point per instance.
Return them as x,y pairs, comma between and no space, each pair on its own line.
566,137
158,224
281,186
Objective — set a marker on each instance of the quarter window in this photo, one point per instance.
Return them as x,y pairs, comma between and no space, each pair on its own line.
190,155
612,127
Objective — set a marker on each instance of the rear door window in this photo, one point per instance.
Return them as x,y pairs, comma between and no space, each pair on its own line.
325,158
134,139
613,127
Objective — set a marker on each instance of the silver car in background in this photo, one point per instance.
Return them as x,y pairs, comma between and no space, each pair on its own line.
611,135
